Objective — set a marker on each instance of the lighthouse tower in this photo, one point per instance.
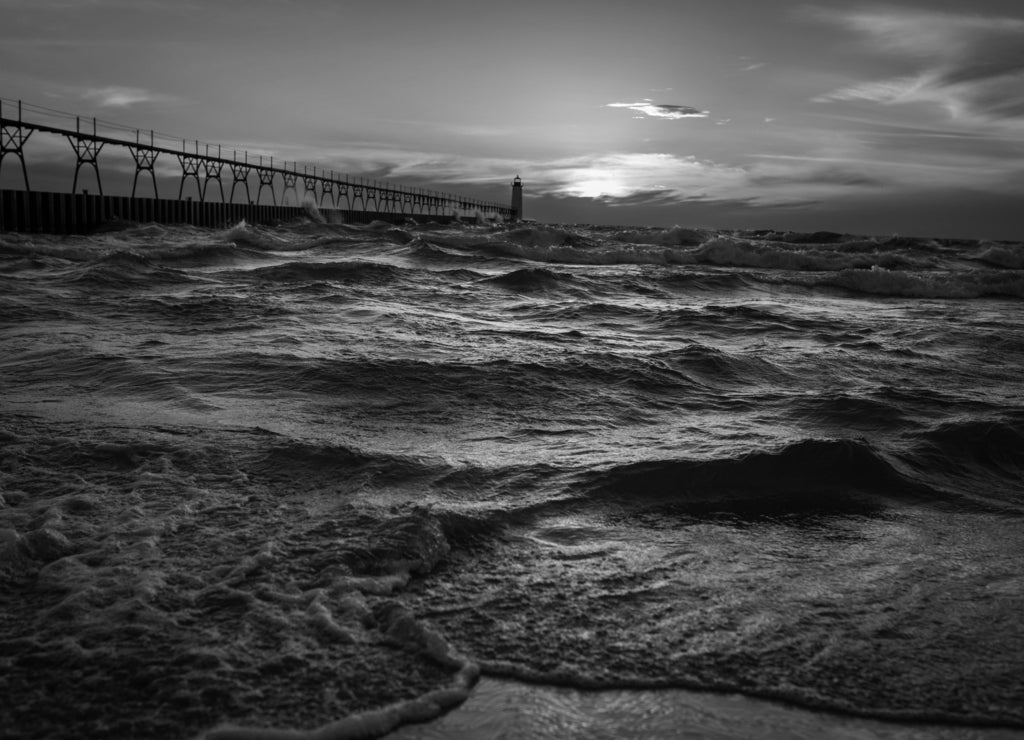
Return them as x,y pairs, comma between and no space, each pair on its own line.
517,199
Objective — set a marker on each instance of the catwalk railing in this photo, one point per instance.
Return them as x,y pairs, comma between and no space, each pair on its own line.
204,163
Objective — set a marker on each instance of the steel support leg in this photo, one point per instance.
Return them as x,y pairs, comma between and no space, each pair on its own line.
212,170
144,160
266,179
327,189
12,141
309,184
86,150
290,178
240,173
190,164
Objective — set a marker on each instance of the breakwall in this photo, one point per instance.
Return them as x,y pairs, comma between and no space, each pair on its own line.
81,213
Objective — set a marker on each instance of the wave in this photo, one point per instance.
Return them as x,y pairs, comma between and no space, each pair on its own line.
677,236
1003,256
974,465
845,411
798,237
716,366
452,254
16,306
232,312
732,252
355,271
460,275
818,252
314,462
903,283
308,236
980,460
105,374
531,279
754,319
397,235
124,270
547,236
157,549
556,247
42,252
998,443
256,237
419,386
600,313
812,475
204,254
426,250
573,255
686,281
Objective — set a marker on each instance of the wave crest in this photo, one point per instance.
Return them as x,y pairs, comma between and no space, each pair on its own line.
733,252
1003,256
812,474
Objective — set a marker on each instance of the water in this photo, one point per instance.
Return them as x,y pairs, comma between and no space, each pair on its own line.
288,477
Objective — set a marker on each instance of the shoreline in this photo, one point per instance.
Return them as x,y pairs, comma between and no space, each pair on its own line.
506,708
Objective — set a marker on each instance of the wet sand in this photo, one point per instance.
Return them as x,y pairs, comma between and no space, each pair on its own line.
503,709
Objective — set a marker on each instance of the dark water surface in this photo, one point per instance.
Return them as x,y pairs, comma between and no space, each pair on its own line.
276,477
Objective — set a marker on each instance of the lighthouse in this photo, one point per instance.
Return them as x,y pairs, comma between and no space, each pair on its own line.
517,199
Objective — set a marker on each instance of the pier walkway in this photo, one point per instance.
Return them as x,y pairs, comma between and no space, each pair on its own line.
337,197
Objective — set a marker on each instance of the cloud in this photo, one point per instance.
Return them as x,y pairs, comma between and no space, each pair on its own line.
641,198
121,97
658,178
665,179
614,178
972,65
661,110
923,32
894,90
750,64
824,175
624,177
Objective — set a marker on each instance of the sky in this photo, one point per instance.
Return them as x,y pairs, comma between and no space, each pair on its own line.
841,115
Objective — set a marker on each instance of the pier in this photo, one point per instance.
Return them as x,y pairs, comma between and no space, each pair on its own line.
201,199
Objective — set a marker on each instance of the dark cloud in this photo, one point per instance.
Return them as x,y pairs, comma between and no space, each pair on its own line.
821,176
750,202
661,198
662,110
642,198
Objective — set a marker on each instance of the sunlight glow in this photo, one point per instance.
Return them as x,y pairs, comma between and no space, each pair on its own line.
599,185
